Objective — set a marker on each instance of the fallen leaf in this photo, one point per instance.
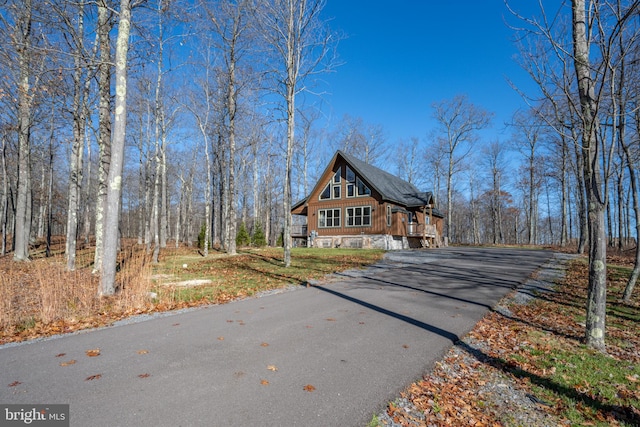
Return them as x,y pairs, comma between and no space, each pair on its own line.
361,323
61,354
264,344
330,319
229,321
143,351
93,353
176,324
405,346
93,377
264,382
220,338
144,375
272,368
70,362
309,388
15,383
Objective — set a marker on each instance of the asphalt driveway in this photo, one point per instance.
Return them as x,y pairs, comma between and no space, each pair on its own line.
332,354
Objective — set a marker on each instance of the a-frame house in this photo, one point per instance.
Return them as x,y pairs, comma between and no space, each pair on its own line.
357,205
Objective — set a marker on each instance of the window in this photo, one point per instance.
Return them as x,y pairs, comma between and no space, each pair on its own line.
326,193
336,191
355,186
328,218
351,189
333,190
351,176
389,216
359,216
363,190
336,177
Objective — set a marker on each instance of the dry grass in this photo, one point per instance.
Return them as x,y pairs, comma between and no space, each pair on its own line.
41,297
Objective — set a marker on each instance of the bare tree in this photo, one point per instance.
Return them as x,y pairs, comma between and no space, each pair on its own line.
22,40
494,159
232,25
408,161
202,110
295,32
114,189
459,121
5,193
104,126
366,141
527,139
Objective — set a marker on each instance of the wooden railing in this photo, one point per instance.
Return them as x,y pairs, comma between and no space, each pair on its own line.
418,230
298,230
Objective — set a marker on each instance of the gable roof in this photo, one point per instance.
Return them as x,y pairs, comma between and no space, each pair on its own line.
390,187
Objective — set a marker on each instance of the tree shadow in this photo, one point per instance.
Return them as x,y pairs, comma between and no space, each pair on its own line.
620,413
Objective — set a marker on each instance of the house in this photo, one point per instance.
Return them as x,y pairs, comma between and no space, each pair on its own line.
357,205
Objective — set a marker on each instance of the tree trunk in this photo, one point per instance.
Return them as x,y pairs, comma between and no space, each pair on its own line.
232,103
563,201
582,194
77,146
104,128
22,228
633,179
114,190
597,292
5,197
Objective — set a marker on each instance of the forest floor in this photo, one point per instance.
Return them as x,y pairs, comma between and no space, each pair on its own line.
523,364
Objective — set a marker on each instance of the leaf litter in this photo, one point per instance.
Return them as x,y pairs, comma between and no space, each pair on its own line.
500,374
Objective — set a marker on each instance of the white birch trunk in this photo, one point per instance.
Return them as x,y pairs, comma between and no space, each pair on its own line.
114,190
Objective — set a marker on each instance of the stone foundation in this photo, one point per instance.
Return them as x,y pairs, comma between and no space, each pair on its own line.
369,241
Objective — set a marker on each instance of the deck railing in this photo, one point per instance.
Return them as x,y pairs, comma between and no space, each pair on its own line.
299,230
418,230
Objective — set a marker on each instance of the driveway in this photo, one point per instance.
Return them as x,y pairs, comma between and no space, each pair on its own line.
332,354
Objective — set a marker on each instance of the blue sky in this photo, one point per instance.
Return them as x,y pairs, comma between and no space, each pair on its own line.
399,57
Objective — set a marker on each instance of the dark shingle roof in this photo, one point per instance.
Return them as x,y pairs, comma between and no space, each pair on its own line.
390,187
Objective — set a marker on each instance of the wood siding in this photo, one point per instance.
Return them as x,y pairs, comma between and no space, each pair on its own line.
312,207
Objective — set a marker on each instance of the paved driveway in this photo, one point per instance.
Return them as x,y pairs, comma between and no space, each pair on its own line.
327,355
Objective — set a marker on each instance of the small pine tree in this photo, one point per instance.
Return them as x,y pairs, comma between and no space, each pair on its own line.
242,238
203,231
259,238
280,240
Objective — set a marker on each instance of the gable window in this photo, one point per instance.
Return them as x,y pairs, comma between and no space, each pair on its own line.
363,190
355,186
358,216
333,190
351,176
326,193
328,218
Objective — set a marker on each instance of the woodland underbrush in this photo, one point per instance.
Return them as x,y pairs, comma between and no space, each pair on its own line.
41,297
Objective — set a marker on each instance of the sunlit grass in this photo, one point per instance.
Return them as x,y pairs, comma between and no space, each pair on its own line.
42,298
